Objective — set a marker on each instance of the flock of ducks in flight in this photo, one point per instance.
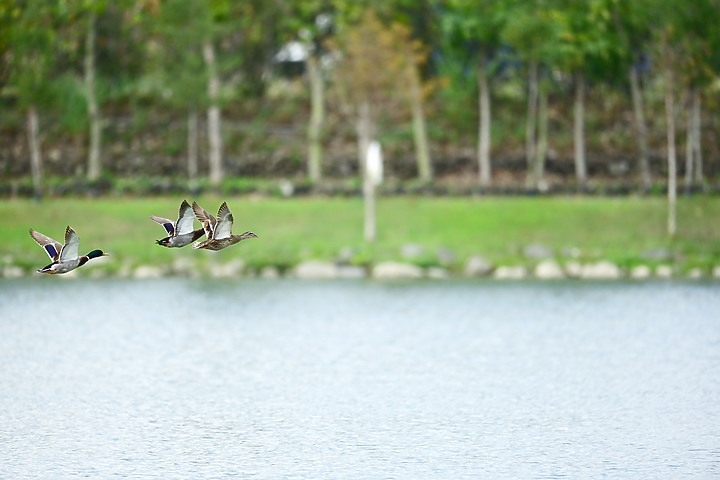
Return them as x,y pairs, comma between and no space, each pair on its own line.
217,229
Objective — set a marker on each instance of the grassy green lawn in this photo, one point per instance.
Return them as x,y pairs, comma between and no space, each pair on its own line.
291,230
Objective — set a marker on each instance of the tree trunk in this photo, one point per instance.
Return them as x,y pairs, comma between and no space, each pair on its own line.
192,158
422,151
693,152
689,152
214,122
542,141
484,163
641,129
697,128
94,162
671,153
35,158
317,119
531,121
365,133
579,132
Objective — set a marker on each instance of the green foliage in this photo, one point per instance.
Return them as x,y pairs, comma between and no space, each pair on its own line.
473,21
71,104
697,39
376,61
31,39
175,62
588,39
533,31
149,58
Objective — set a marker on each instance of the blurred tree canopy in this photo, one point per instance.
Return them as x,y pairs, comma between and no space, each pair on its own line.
300,85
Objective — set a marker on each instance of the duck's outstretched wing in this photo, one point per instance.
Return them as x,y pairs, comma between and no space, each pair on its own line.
208,221
224,222
51,247
72,245
185,219
167,224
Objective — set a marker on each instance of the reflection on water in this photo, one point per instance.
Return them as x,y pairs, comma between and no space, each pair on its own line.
280,379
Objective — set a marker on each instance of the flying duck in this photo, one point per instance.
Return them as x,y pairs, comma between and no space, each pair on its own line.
180,233
218,230
64,257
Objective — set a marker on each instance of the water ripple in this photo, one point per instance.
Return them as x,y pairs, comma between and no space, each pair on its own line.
177,378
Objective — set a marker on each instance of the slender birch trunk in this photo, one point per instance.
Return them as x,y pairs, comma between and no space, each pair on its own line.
671,153
542,141
579,132
689,151
35,157
484,162
531,121
640,129
365,135
697,128
192,158
317,119
214,121
422,151
94,162
693,152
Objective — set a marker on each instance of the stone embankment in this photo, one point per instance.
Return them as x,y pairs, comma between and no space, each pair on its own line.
326,270
544,270
534,262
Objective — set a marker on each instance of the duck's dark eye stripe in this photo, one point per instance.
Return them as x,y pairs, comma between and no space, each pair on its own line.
50,249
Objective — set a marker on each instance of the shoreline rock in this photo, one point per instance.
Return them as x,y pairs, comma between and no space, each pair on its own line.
315,269
549,270
602,270
396,270
513,272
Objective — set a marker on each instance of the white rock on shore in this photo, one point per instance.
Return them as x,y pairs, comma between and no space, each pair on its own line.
230,269
315,269
12,271
573,269
640,272
695,273
437,273
147,271
513,272
549,270
185,266
351,271
602,270
664,271
269,272
396,270
478,266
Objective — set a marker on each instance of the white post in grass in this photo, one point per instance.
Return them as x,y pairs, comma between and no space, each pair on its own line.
375,163
373,178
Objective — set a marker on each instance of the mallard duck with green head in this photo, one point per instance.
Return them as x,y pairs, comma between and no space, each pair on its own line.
181,232
218,230
65,258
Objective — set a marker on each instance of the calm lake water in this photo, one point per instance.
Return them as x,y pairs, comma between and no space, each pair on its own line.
188,379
